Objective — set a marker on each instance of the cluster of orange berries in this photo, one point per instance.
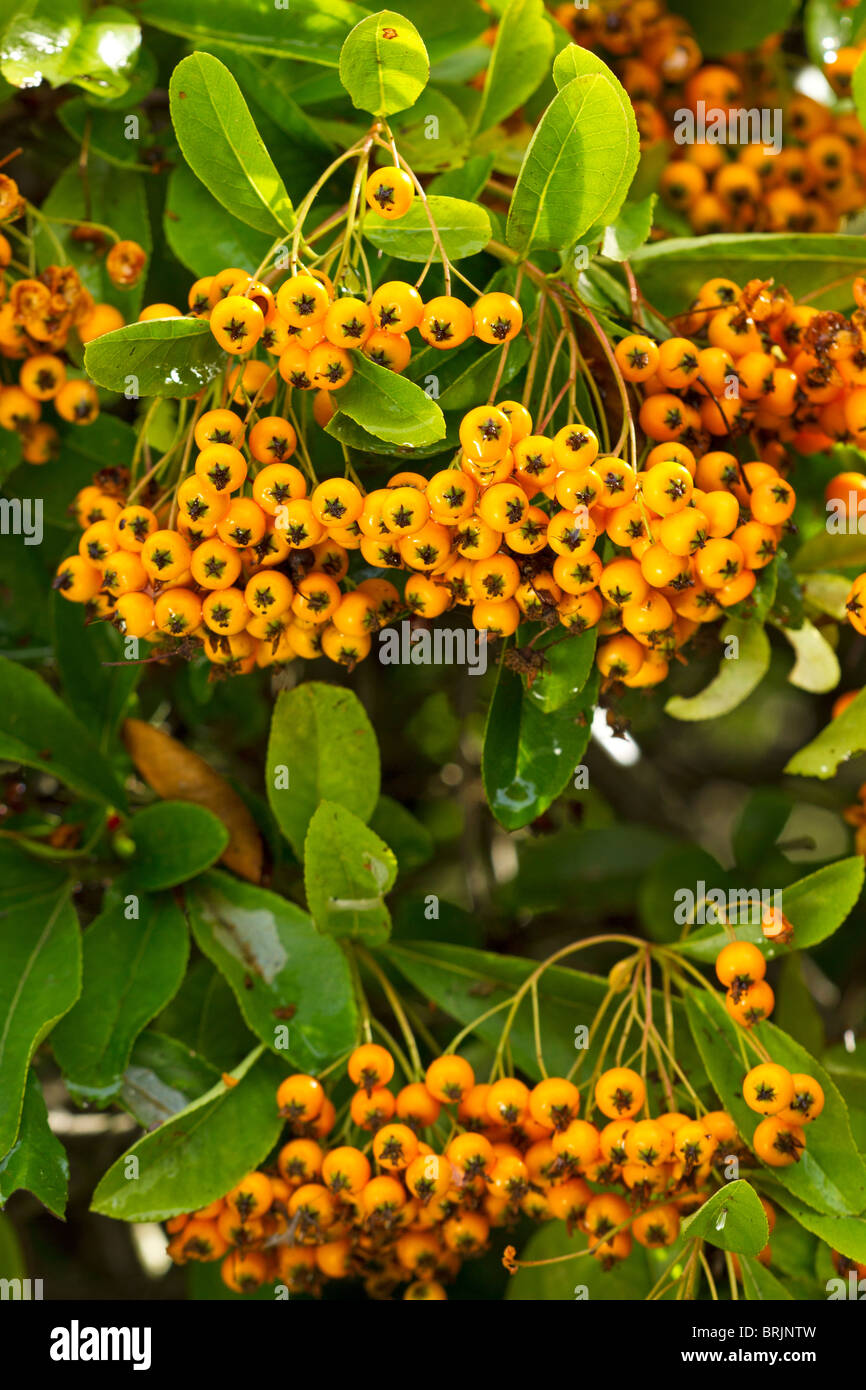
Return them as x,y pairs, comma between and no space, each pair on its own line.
313,333
817,178
398,1212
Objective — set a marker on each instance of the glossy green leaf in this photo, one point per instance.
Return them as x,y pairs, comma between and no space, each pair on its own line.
161,357
670,273
103,54
579,164
37,1161
199,1153
348,870
842,550
96,681
37,39
841,739
464,230
189,206
738,674
354,436
816,906
162,1077
322,746
131,968
204,1016
528,755
432,135
469,376
568,666
830,1175
39,731
732,1219
41,978
313,30
390,406
519,62
222,146
383,64
174,841
285,975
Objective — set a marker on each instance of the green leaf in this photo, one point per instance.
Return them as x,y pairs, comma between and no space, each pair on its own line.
103,54
843,738
347,872
410,841
131,970
827,593
96,681
37,1161
389,406
284,974
671,272
795,1011
658,899
529,756
265,83
580,161
383,64
23,878
322,746
162,1076
847,1234
36,41
761,822
467,182
39,731
200,1153
732,1219
840,550
816,667
41,978
432,134
858,89
204,1016
189,207
10,453
630,230
313,30
816,906
519,63
738,675
222,146
567,1280
464,230
729,29
569,664
759,1283
473,375
174,841
160,357
830,1175
829,26
343,428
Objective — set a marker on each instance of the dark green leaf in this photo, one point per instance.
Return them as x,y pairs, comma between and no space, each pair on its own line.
188,207
222,146
569,664
39,731
199,1153
37,1161
131,970
569,1280
204,1016
174,841
161,357
411,841
313,30
728,29
432,134
383,64
348,871
284,974
96,680
162,1076
41,978
529,756
759,1283
847,1234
